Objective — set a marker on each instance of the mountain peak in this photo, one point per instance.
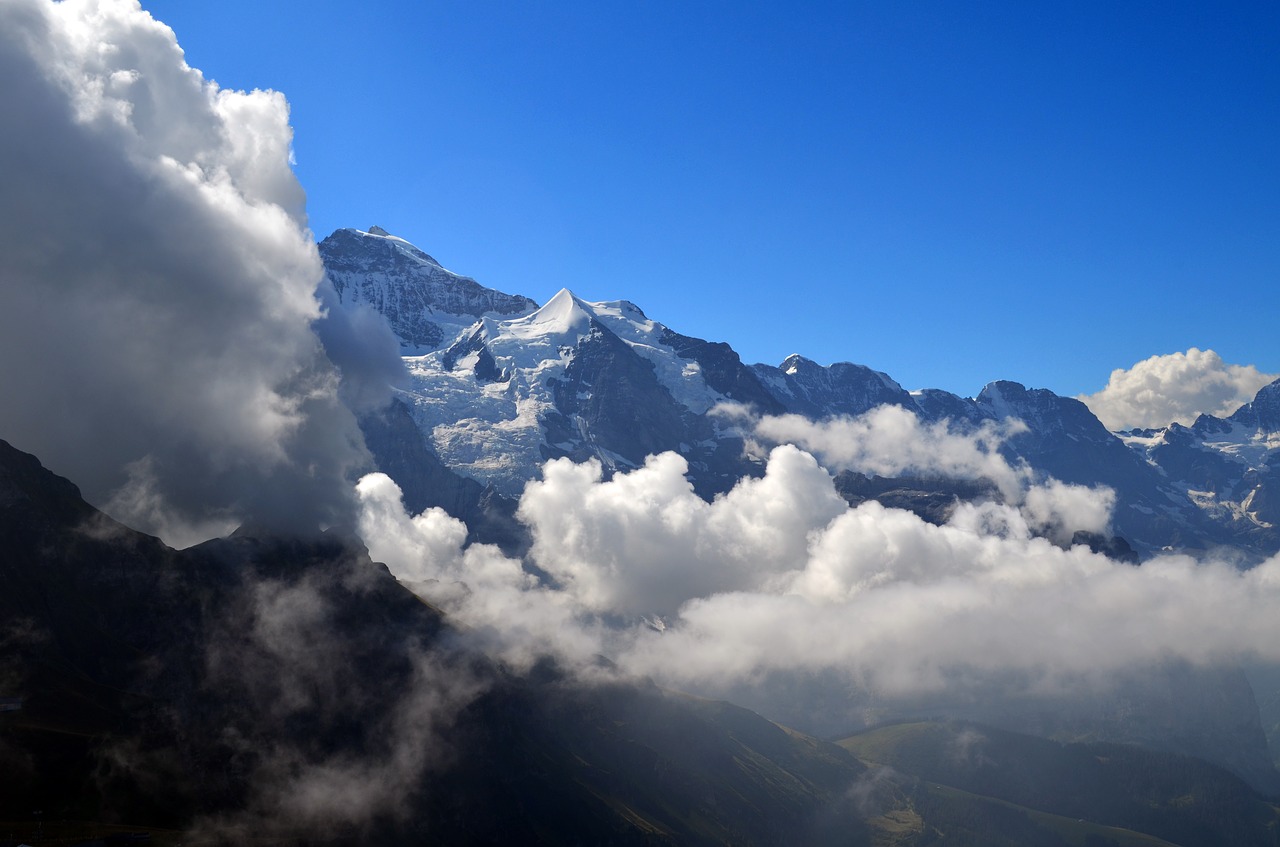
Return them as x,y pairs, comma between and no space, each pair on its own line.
795,363
375,244
1263,411
426,305
1003,398
564,314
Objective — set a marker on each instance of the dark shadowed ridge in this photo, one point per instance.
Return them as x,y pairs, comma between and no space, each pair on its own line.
221,690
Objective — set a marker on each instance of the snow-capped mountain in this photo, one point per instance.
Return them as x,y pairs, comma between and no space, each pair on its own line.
424,304
509,385
577,379
806,388
499,385
1229,467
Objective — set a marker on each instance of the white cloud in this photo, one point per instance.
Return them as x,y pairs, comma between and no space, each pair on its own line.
892,441
506,610
159,281
900,607
780,578
1174,388
1059,509
643,543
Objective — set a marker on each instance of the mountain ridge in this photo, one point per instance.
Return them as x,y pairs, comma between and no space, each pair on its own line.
601,380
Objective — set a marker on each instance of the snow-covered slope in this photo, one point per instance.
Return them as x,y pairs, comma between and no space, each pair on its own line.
573,378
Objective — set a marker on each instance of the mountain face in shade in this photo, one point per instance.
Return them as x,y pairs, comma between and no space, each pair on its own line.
804,387
1054,785
507,385
273,690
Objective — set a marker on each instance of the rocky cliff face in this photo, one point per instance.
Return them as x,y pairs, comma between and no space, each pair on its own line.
424,304
804,387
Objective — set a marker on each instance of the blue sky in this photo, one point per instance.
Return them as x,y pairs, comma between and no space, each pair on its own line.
952,193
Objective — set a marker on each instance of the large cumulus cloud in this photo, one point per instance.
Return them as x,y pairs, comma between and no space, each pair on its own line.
1174,388
159,282
779,579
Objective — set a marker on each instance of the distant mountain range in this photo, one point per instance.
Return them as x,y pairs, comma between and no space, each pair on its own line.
499,385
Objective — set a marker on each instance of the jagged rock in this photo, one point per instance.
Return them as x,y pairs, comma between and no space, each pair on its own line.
424,304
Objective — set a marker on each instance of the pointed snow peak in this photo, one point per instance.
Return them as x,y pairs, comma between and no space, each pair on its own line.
564,305
795,363
377,230
564,295
563,314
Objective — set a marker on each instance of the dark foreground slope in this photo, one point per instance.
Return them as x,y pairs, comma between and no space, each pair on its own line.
259,690
963,776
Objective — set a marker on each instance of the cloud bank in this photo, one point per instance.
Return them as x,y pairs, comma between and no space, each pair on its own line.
159,282
779,577
892,441
1175,388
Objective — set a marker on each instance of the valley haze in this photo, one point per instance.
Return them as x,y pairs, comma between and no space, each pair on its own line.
571,509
